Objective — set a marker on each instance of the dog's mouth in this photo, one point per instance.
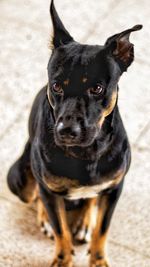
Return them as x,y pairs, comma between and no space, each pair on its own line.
83,139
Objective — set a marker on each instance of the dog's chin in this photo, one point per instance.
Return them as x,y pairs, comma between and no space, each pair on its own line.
64,143
67,144
80,143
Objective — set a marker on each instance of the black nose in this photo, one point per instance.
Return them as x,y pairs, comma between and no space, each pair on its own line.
68,133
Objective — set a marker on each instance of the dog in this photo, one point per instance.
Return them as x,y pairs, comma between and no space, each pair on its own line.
78,152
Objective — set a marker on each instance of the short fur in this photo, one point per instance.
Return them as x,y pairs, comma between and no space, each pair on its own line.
78,152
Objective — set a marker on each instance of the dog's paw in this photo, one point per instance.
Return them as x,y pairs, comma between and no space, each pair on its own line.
47,230
43,221
85,223
83,228
62,261
99,262
82,232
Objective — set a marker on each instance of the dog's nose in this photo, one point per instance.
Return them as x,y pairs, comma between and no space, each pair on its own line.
70,132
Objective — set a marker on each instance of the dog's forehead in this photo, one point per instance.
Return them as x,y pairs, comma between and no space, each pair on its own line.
80,52
78,60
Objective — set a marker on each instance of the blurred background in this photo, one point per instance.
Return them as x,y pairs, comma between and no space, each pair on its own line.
25,30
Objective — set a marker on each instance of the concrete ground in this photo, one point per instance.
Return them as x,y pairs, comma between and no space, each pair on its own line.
25,30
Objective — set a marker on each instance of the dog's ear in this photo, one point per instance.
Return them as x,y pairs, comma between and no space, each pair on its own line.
61,35
121,48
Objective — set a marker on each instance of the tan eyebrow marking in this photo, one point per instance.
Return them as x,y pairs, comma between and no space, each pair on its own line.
66,82
84,79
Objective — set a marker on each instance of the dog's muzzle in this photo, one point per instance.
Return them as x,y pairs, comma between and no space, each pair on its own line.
67,132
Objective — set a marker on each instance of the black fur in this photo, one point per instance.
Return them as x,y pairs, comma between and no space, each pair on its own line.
75,128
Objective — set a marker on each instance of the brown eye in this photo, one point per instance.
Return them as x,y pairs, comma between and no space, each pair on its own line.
57,88
98,89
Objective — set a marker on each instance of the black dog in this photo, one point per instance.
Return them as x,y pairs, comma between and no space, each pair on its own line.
78,152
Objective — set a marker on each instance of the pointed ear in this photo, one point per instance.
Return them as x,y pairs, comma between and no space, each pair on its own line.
121,48
61,35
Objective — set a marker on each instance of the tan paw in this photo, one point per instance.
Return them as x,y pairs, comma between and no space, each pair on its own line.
83,227
43,220
82,232
99,261
62,261
47,230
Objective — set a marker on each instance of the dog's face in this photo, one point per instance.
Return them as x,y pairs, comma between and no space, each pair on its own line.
83,91
83,83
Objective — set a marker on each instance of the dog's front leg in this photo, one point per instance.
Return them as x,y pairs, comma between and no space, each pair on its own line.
57,215
106,205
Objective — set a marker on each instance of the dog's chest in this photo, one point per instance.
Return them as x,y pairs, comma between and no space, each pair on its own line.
75,178
71,189
88,191
69,169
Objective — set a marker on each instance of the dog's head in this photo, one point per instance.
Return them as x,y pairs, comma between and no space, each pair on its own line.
83,82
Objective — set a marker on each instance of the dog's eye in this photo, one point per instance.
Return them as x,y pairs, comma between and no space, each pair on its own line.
98,89
57,88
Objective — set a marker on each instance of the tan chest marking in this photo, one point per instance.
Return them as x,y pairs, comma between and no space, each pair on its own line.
94,190
75,191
